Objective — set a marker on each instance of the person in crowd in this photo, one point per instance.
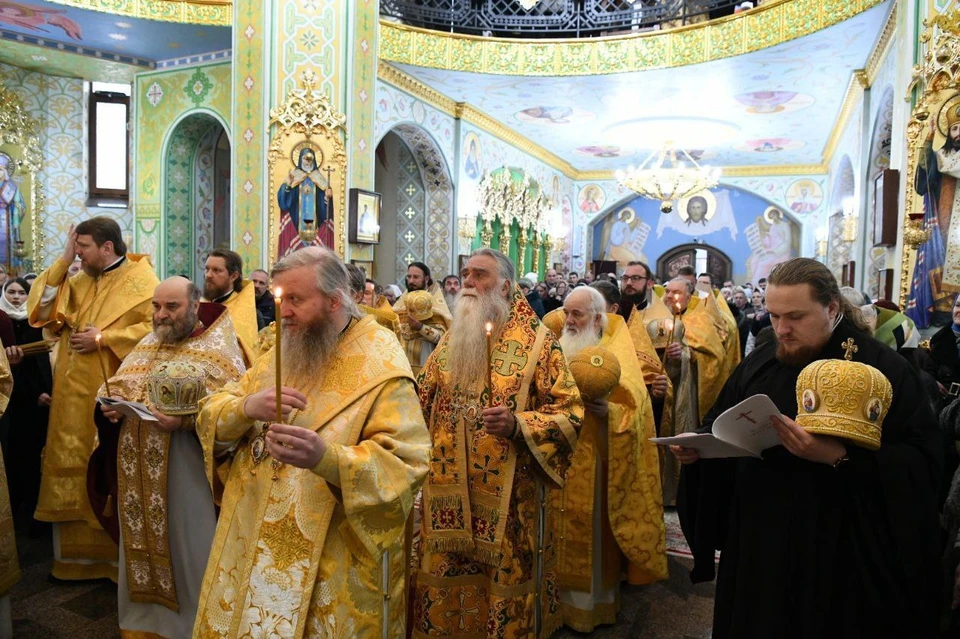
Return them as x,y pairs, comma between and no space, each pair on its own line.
611,506
392,293
310,538
758,322
193,350
451,286
29,408
503,428
99,315
610,293
266,308
636,288
224,284
831,544
533,299
421,325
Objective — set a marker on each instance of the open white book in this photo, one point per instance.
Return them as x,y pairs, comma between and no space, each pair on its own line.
742,431
130,409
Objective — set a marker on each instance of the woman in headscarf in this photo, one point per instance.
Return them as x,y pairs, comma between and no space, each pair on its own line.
29,407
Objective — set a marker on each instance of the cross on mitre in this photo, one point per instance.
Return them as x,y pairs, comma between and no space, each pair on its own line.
849,348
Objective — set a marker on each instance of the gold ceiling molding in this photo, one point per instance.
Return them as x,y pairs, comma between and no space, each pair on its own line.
858,82
214,13
882,47
406,82
773,23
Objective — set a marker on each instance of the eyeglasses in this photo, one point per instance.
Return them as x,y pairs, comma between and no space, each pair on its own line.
634,278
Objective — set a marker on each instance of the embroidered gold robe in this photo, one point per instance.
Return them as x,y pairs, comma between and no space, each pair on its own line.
118,303
384,316
9,562
243,311
611,505
727,330
418,345
157,561
482,525
317,553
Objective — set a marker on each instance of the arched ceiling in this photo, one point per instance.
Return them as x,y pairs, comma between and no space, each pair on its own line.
773,107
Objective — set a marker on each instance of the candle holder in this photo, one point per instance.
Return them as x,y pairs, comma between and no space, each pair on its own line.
308,232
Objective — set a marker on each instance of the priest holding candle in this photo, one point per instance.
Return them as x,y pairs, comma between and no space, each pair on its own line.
310,537
484,521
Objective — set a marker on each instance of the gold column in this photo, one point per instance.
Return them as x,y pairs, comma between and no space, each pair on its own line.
505,238
486,235
536,254
522,250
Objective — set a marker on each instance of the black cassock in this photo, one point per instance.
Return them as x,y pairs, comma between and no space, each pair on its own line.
809,551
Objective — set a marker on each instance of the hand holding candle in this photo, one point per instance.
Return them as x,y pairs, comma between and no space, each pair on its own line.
103,366
673,332
278,293
489,328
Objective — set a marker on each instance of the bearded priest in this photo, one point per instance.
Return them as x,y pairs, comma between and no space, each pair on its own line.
504,427
611,506
192,350
223,283
310,540
110,298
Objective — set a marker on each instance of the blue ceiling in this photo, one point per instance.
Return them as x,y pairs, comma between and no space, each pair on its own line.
93,31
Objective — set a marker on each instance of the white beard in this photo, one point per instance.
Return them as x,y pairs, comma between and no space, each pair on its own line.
450,299
572,342
467,344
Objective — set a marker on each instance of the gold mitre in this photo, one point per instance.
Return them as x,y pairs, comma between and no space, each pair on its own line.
176,387
419,304
844,399
596,371
659,331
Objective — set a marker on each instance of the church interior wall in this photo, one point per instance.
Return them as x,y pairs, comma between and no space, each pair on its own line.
59,107
161,101
738,222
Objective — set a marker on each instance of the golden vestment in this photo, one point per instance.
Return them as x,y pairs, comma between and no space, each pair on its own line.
9,563
727,330
143,451
384,315
317,553
118,303
243,311
418,345
483,525
616,461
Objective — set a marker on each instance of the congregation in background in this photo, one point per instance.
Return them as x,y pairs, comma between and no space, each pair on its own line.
317,453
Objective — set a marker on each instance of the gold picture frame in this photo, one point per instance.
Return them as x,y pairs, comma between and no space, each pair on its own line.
21,159
307,120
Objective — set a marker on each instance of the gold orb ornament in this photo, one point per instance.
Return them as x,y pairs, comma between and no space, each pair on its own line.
596,371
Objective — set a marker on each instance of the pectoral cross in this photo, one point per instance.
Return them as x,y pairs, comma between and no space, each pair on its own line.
849,348
747,417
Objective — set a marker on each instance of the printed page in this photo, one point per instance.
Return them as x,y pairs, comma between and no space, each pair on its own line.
130,409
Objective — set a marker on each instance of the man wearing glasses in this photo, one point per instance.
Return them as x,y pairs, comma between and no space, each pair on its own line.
635,287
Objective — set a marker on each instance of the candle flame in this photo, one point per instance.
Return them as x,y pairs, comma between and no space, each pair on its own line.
98,338
489,328
278,293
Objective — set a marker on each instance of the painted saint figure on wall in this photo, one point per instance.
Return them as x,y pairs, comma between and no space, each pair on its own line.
12,207
305,199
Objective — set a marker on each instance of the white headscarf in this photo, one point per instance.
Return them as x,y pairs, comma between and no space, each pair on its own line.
14,312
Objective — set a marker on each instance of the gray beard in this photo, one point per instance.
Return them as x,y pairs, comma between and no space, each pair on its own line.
177,331
572,342
451,300
307,351
467,344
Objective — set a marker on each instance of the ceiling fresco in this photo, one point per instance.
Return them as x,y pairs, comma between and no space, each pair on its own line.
774,107
95,33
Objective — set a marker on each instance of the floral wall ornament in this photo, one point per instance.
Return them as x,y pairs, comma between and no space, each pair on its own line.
196,88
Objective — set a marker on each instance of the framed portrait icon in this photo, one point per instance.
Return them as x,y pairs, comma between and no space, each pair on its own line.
364,217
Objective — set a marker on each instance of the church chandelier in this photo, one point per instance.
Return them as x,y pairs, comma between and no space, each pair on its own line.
668,175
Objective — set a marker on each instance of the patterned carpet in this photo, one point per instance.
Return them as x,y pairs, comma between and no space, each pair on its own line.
48,609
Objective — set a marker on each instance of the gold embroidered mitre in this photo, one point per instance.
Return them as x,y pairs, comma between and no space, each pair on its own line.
843,399
419,304
596,371
176,387
660,329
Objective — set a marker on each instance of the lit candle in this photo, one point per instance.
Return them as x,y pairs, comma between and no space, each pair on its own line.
673,331
103,366
489,328
277,332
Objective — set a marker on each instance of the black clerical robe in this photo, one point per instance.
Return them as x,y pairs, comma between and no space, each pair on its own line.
809,551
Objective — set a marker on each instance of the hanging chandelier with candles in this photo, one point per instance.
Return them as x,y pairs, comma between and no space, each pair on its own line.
668,175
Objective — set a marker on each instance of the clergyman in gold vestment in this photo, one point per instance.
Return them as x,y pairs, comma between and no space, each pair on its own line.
419,338
110,297
485,519
192,350
223,283
311,532
611,506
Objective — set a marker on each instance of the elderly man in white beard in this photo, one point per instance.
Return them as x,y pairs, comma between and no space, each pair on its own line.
503,428
612,504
